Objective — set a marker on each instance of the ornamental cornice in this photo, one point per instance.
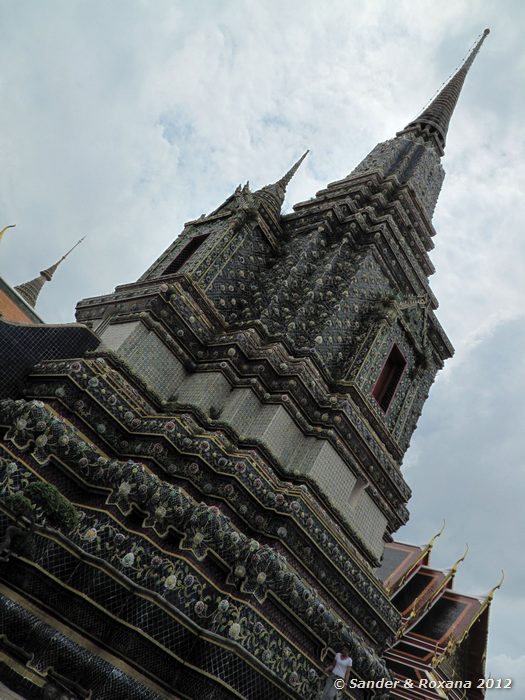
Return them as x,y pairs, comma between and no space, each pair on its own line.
182,595
383,230
47,369
357,190
197,341
269,505
275,375
204,528
260,352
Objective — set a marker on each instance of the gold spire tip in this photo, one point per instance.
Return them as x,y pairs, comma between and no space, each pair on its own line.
438,534
497,586
5,229
462,558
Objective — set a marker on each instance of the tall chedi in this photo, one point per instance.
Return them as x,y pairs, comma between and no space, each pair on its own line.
322,343
235,441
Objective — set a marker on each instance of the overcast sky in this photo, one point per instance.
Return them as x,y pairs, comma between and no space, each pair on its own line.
121,120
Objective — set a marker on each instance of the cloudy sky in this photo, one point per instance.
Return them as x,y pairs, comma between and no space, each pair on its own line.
121,120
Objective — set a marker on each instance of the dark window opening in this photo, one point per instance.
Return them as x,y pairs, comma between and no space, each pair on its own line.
185,254
388,381
440,618
411,591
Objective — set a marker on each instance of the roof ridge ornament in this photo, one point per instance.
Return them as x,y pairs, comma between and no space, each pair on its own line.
435,537
455,567
5,229
490,594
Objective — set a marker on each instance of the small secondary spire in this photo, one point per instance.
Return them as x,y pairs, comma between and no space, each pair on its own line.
30,290
277,191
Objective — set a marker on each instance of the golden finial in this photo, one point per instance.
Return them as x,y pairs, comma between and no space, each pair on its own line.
438,534
462,558
5,229
498,585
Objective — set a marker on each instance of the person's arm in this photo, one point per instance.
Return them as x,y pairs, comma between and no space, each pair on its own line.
330,668
347,674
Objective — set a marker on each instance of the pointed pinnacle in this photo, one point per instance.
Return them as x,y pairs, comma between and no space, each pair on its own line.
50,271
30,290
71,250
435,118
276,192
285,180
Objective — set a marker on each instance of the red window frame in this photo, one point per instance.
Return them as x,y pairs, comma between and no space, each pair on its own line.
389,378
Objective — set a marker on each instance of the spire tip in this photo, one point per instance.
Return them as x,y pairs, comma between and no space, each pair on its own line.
434,120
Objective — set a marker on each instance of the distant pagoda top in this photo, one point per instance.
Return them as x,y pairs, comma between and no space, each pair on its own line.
31,290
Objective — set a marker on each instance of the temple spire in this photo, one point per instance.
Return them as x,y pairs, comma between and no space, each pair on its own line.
275,193
434,120
30,290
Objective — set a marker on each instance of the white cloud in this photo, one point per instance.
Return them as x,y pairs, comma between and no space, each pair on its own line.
505,666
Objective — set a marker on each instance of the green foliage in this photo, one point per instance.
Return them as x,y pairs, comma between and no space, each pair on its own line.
57,509
18,504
